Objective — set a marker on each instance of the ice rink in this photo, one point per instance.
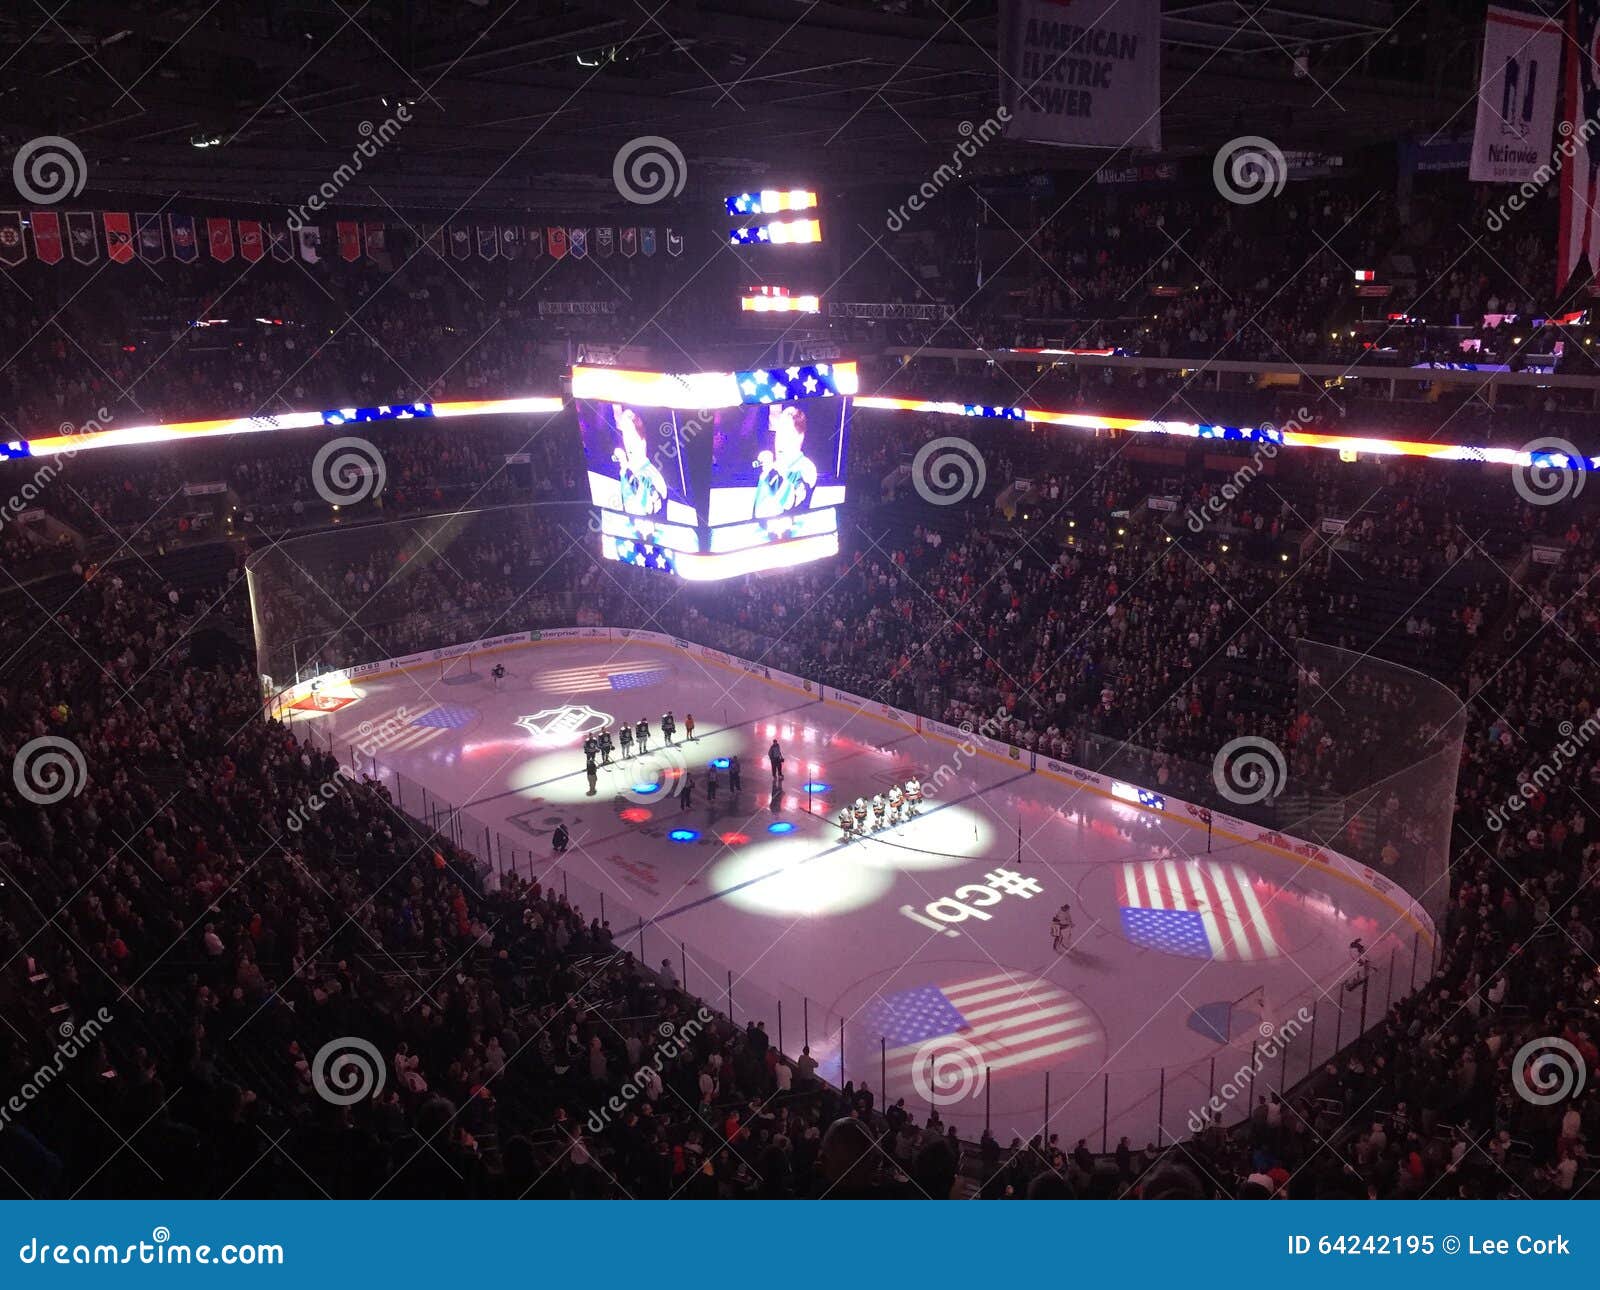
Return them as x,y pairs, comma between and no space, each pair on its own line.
1189,973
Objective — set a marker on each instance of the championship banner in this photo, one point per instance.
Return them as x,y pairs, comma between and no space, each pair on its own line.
46,226
647,240
377,242
1085,73
310,239
1516,97
461,242
1579,250
629,242
83,236
489,242
349,240
251,247
556,238
185,249
119,236
13,250
604,241
152,246
219,239
510,241
278,241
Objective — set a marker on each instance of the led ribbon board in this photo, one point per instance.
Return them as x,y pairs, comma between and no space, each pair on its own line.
123,436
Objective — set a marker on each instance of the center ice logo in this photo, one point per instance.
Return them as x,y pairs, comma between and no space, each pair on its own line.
558,725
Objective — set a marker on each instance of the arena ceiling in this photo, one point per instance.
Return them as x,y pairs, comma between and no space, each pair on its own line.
524,105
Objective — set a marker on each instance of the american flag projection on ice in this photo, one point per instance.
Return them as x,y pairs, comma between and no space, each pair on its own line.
1197,908
601,676
942,1037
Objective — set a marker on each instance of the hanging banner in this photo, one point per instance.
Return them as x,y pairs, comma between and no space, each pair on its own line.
647,240
557,238
119,236
605,241
489,242
46,226
185,247
510,241
629,241
377,240
82,235
13,250
461,242
674,242
433,238
535,241
1516,97
219,239
349,240
251,247
1579,249
310,239
1085,74
152,246
578,242
278,241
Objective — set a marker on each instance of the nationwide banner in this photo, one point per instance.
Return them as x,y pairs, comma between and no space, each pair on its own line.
1579,250
1516,97
1085,73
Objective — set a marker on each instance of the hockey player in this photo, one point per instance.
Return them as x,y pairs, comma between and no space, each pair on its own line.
860,811
847,824
896,801
1061,928
641,732
606,745
913,795
668,727
878,808
625,738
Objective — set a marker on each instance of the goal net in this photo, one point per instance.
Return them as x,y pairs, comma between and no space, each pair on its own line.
460,670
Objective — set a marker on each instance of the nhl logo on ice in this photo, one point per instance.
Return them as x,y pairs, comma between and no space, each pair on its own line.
570,721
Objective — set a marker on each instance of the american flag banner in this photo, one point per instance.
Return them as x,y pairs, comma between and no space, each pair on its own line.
601,676
1002,1021
1203,909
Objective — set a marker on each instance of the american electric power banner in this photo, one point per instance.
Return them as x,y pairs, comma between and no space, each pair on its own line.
1082,72
1516,97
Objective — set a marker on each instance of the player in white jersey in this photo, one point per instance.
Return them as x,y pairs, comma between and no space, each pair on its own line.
896,800
847,824
913,795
